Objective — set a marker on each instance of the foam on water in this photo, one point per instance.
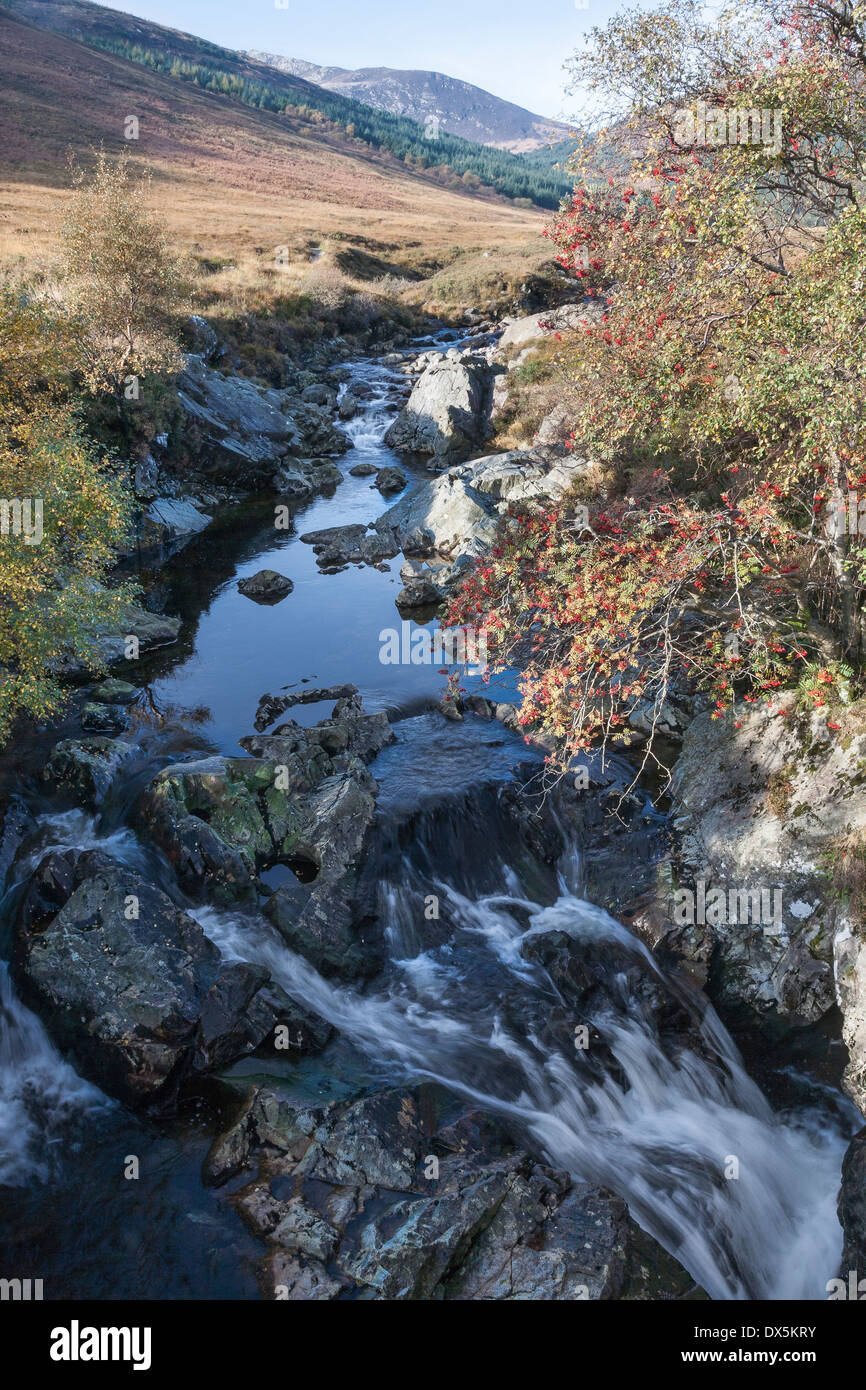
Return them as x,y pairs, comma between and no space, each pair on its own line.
663,1138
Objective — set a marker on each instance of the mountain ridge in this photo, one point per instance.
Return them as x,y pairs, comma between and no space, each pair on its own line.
460,107
238,78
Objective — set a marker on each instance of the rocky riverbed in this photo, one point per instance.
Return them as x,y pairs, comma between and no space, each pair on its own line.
376,1017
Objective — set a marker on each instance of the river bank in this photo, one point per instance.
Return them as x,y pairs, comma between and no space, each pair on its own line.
491,1088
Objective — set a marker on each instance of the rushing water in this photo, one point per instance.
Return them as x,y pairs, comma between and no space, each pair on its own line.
466,1008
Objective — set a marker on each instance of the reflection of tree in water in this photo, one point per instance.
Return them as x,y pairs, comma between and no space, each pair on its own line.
150,713
188,582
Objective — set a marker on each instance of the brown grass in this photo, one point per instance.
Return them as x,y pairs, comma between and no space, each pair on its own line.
234,184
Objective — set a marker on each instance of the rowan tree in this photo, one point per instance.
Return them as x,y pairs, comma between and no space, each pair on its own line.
724,382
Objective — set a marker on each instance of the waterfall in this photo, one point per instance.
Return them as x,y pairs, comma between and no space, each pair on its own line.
743,1198
43,1101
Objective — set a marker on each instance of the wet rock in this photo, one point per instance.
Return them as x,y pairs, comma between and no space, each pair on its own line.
368,734
418,593
52,884
299,479
363,470
305,800
417,540
852,1208
348,407
340,545
319,434
300,1280
335,540
391,479
133,988
242,1012
272,706
114,692
16,823
450,709
326,930
103,719
220,819
84,769
376,1199
592,972
267,586
377,546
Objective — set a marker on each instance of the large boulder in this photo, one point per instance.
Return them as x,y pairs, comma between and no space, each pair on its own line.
459,511
219,820
448,411
765,803
240,432
321,917
133,988
366,1199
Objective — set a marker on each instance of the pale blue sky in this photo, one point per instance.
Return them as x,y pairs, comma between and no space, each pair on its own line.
514,48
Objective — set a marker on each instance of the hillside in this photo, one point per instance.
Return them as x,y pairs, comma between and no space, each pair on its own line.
460,107
234,181
227,73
